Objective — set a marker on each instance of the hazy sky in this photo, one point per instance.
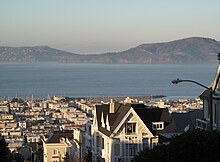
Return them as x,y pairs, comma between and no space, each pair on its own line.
95,26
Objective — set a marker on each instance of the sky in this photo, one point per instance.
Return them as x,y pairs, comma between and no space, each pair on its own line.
100,26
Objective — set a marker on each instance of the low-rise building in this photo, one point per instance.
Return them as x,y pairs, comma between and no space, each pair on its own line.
6,116
4,108
57,145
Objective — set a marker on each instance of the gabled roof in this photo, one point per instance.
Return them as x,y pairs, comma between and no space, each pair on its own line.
55,136
182,120
147,115
215,83
205,94
114,118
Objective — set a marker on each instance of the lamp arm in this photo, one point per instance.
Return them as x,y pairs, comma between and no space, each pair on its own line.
192,81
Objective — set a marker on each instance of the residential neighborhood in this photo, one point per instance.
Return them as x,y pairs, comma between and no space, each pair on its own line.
81,129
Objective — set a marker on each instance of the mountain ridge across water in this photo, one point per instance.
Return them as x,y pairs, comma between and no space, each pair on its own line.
183,51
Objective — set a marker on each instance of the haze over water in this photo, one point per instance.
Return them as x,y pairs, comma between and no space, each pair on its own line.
86,80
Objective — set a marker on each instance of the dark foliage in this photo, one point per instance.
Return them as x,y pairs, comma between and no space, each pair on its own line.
15,157
5,155
4,151
194,145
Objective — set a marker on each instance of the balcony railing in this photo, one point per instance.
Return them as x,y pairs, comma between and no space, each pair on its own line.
203,124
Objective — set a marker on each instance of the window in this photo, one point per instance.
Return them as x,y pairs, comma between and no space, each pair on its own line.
107,146
130,127
103,143
117,149
157,125
98,141
131,149
145,143
55,152
215,114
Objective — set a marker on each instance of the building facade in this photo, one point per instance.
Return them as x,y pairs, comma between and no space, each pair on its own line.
57,147
211,105
120,131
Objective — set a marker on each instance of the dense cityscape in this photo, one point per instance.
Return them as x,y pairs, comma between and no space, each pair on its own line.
62,128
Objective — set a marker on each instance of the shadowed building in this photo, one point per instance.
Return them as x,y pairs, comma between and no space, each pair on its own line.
211,104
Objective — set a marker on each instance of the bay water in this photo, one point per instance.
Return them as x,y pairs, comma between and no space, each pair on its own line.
101,80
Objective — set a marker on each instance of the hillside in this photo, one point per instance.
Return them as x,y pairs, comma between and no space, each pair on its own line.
188,50
33,54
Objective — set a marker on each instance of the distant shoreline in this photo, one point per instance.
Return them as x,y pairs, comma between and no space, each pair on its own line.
121,98
104,98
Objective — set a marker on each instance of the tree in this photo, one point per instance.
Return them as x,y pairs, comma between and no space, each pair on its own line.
15,157
194,145
4,151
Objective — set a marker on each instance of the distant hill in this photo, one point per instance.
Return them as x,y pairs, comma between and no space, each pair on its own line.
188,50
33,54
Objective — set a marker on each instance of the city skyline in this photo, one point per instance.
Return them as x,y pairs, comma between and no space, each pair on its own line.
105,26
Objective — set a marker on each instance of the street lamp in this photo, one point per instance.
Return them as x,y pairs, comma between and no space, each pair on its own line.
176,81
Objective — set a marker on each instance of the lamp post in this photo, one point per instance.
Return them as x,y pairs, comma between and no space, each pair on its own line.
176,81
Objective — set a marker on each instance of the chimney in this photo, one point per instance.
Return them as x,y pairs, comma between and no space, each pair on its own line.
112,106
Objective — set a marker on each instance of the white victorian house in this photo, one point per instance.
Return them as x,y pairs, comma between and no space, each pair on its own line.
211,105
120,131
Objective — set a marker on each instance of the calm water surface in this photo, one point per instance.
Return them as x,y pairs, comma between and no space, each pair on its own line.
85,80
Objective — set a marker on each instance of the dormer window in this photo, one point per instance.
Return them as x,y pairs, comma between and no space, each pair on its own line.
157,125
130,127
